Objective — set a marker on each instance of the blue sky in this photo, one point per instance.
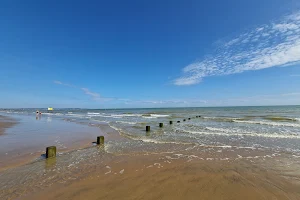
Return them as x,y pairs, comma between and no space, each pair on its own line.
114,54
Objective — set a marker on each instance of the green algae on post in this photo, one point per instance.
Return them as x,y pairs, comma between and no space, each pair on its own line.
51,152
100,140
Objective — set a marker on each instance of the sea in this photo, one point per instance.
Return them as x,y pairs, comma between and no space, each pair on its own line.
265,127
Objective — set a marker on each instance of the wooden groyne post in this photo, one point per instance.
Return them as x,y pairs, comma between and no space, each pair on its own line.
100,140
51,152
147,128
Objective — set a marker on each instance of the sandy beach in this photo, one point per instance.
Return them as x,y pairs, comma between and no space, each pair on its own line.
167,176
151,177
129,168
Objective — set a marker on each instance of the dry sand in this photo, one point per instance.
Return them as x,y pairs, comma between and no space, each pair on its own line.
151,177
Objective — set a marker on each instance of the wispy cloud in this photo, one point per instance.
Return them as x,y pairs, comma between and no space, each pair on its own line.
94,96
88,92
64,84
269,45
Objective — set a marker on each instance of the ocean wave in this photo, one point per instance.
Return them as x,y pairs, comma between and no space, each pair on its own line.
270,123
125,115
124,122
156,115
93,113
225,132
57,114
150,117
279,118
223,119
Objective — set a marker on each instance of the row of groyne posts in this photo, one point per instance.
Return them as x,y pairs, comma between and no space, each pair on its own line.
51,151
170,122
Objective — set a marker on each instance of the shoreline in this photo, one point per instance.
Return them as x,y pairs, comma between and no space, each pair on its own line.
67,136
123,168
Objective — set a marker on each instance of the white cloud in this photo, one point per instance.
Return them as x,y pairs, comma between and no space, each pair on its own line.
88,92
58,82
96,96
270,45
64,84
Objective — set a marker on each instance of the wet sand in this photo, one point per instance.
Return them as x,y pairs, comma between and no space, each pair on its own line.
6,122
152,177
26,138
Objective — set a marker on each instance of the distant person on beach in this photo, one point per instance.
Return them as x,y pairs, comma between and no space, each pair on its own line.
38,115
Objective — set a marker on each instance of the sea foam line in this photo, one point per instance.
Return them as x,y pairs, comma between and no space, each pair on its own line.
240,134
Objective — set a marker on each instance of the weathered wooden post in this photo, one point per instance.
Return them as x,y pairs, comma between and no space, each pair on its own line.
178,121
171,122
184,120
51,152
100,140
161,125
189,119
147,128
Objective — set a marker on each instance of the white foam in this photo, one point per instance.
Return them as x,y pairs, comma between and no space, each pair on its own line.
125,122
93,113
149,117
156,115
126,115
239,133
287,124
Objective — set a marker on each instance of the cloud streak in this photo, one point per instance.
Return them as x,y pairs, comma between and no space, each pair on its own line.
93,95
269,45
64,84
90,93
